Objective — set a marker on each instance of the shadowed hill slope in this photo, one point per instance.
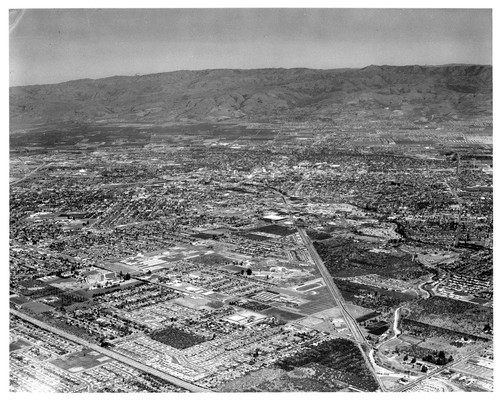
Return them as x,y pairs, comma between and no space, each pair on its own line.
253,95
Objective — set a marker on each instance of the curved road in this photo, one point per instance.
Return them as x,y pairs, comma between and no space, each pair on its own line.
424,291
395,328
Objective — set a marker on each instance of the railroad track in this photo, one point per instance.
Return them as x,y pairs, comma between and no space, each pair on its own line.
350,321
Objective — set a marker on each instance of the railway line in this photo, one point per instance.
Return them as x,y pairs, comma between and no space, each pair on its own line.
350,321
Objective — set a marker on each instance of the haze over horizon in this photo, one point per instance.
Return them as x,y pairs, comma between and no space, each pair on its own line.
52,46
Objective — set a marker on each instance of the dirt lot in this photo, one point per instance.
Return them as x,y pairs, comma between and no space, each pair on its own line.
80,361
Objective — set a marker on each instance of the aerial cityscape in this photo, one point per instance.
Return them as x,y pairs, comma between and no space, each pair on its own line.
260,229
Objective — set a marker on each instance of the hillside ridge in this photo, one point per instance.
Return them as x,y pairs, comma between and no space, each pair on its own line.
253,95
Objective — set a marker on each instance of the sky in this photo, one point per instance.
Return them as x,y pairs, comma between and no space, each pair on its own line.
57,45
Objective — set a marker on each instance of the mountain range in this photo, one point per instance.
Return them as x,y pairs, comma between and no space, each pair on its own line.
449,91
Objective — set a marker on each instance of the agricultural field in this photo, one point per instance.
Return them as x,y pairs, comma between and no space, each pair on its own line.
277,230
318,235
313,378
252,236
95,135
341,356
282,315
370,296
319,300
454,315
479,263
377,328
37,307
422,330
48,294
250,305
347,258
177,338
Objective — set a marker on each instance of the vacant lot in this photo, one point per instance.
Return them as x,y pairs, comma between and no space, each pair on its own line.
82,360
212,259
18,344
282,314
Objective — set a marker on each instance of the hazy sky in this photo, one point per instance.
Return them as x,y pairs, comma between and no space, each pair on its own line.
48,46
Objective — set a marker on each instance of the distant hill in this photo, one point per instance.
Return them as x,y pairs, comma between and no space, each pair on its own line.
449,91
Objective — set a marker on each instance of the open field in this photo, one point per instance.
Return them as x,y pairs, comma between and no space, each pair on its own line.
282,314
79,361
37,307
320,301
18,344
191,302
119,267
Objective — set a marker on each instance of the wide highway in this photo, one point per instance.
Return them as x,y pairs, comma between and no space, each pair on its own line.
114,355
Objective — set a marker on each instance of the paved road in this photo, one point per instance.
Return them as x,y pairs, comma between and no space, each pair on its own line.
334,290
414,383
350,321
395,329
112,354
30,173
